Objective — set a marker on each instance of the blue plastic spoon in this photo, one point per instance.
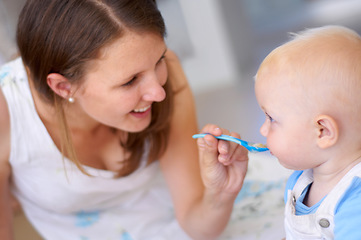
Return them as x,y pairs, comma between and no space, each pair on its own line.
252,147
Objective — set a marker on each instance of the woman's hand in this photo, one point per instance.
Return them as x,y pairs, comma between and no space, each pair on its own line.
223,163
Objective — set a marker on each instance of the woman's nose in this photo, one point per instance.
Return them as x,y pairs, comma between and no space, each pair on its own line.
153,90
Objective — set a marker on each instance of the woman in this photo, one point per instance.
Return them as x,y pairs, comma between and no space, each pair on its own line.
96,123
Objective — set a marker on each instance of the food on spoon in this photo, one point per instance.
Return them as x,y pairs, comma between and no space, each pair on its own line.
259,145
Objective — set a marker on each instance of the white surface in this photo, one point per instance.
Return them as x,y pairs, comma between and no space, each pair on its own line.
258,213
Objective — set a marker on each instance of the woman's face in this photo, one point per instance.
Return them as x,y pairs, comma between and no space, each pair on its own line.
120,87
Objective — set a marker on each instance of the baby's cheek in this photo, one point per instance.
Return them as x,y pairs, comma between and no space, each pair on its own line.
276,147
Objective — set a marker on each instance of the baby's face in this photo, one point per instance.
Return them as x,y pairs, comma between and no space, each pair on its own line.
287,127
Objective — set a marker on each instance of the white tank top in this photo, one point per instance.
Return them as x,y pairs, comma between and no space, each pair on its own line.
62,202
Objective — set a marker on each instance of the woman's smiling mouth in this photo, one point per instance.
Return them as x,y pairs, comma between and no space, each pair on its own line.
140,110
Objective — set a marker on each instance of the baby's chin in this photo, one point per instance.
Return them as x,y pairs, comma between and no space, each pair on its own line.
289,166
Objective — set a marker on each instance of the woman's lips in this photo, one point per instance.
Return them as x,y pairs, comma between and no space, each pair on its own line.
141,112
142,109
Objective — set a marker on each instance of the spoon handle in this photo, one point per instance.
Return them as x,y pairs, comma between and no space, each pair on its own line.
250,147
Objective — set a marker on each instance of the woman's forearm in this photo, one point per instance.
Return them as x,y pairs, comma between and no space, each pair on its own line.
209,216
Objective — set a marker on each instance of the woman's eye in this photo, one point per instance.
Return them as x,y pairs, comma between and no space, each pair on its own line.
129,82
161,59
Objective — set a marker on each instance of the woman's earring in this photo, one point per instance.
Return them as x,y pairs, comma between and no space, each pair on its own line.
71,99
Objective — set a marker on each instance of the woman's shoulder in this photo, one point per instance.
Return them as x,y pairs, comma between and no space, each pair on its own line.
8,72
11,70
5,73
4,130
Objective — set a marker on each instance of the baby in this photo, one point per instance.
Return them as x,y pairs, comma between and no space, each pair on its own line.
309,89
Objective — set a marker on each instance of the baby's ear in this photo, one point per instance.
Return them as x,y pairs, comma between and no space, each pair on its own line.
59,84
327,131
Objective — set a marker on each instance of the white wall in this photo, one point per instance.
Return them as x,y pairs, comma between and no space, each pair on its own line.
212,64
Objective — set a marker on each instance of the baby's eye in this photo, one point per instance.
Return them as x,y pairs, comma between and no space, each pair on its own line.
269,117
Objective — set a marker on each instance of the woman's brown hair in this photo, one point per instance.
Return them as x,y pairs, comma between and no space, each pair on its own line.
62,36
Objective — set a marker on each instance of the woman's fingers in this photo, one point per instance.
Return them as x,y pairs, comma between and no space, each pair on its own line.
227,150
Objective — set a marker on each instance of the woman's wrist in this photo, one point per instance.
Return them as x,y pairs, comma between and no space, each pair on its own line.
219,199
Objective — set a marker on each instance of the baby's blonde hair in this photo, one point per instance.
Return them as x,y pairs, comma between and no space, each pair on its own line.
324,63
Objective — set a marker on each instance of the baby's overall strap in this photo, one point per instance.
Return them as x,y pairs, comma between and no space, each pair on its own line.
304,180
325,212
